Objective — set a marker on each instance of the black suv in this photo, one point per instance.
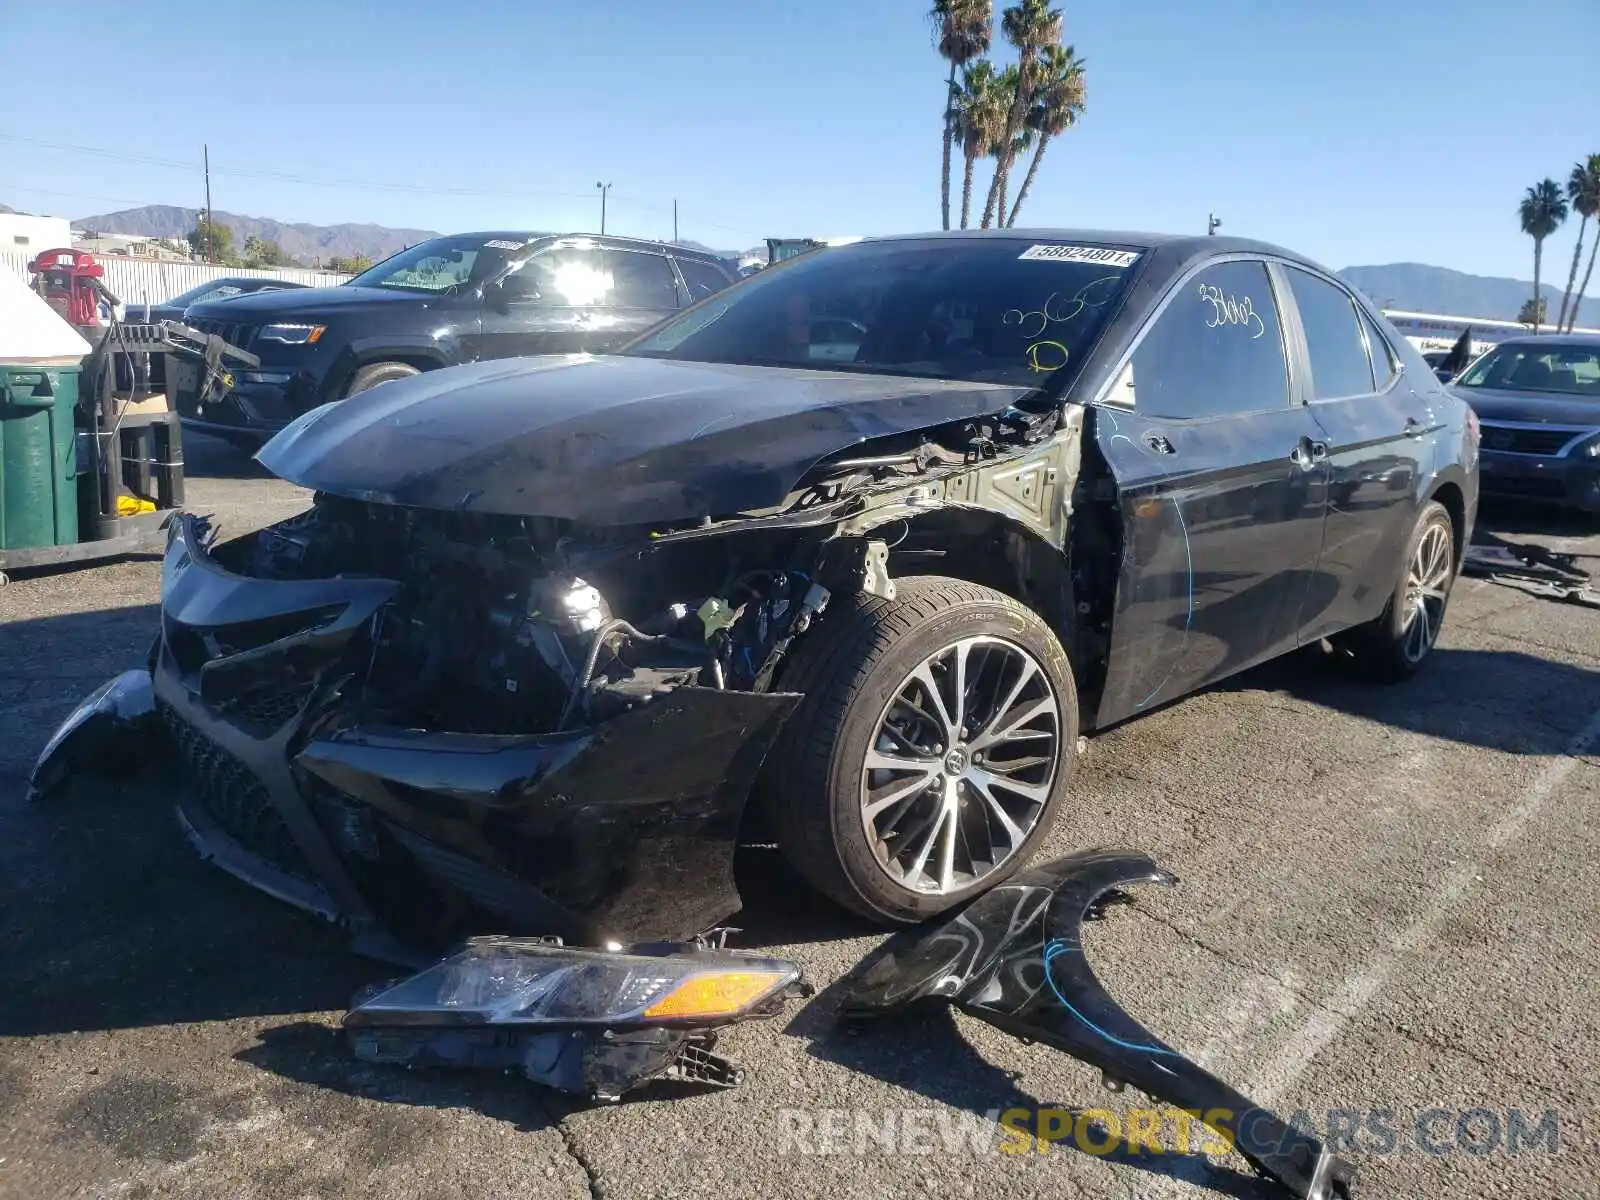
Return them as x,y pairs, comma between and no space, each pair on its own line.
440,303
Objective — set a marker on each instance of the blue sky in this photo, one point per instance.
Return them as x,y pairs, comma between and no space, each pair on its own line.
1356,132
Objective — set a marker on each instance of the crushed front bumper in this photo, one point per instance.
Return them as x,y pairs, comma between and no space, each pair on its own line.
623,831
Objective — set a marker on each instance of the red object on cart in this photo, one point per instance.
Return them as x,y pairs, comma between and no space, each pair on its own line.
69,282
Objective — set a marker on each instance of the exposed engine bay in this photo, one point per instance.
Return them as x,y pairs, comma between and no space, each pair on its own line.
515,625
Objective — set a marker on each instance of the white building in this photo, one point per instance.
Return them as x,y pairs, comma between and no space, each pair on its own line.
22,233
1437,331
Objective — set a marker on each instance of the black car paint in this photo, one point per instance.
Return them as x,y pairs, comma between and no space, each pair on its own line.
1015,959
427,331
1227,550
608,440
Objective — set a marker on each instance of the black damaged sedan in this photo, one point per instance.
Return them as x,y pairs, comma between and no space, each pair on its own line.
854,551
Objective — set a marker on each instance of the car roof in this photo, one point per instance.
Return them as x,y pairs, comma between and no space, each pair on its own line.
1556,340
603,239
1174,252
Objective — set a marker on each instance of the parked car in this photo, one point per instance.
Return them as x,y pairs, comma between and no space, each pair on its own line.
555,629
213,289
1538,401
440,303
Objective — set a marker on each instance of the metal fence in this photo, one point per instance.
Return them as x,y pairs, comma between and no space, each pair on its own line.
135,281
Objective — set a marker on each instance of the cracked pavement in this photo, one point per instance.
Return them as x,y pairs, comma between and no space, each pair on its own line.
1390,901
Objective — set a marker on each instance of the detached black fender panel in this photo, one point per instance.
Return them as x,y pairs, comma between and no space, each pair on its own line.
1014,958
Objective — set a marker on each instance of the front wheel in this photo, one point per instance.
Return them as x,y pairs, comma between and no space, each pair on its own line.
1395,646
931,753
371,375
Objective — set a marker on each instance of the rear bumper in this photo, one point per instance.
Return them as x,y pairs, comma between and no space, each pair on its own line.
622,831
1570,481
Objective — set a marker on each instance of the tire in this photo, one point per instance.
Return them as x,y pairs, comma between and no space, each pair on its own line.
853,668
1393,648
371,375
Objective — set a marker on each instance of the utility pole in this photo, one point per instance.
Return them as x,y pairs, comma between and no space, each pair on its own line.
604,188
1212,221
210,250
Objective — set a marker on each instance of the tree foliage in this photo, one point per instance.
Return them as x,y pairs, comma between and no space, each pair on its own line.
260,252
1000,113
212,241
353,265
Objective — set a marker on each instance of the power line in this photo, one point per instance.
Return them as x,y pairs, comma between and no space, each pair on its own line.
311,181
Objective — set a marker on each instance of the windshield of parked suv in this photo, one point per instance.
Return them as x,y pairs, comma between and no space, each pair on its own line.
989,311
444,264
1568,369
210,290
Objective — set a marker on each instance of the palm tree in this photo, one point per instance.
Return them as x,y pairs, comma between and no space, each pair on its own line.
977,114
1583,190
963,29
1008,151
1055,110
1030,26
1542,210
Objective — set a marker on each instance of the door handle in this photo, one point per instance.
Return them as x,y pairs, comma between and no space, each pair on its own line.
1159,444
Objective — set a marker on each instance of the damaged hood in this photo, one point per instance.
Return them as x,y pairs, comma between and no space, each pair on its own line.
607,440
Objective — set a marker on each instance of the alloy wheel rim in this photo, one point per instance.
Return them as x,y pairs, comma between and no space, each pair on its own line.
1427,589
961,765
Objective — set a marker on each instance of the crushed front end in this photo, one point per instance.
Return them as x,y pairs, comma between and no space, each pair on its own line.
425,726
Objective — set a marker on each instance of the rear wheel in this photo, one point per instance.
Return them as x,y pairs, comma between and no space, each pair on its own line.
371,375
1394,647
931,753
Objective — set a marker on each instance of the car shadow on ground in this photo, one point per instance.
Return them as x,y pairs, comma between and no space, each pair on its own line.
923,1051
1506,700
206,457
1504,517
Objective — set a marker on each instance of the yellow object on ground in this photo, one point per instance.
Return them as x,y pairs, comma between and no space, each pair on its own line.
132,506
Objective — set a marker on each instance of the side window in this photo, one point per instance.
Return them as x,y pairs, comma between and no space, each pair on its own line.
703,279
641,280
563,277
1217,348
1339,363
1384,367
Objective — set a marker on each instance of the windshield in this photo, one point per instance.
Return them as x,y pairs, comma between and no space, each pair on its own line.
1561,368
210,290
986,311
446,264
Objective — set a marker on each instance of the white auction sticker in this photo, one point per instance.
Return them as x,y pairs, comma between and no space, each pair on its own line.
1088,254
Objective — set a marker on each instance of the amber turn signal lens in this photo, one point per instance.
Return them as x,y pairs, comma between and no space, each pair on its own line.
715,994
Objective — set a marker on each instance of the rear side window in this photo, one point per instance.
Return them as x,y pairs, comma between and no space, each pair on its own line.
1384,368
1339,363
702,278
1216,349
641,280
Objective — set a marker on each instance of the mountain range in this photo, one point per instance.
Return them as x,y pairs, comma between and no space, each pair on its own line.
1414,286
1421,288
302,242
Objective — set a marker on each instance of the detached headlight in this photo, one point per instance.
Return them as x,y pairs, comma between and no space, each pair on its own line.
508,981
291,335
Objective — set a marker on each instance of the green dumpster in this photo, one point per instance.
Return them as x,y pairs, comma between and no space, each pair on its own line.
38,471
